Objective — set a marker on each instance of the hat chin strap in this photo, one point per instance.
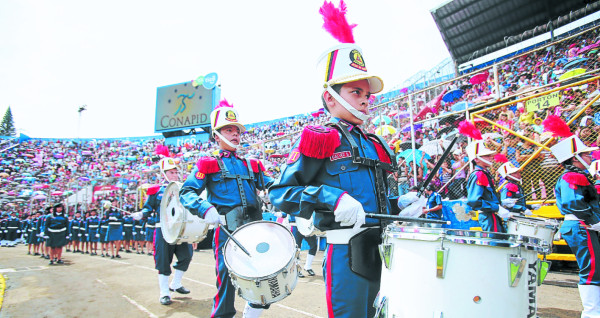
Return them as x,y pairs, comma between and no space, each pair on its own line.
519,180
587,166
486,161
346,105
227,141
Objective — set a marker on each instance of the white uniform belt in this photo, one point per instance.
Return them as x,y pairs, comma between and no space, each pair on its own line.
59,230
571,217
114,223
92,226
139,226
149,226
341,236
157,225
76,227
104,226
128,225
13,227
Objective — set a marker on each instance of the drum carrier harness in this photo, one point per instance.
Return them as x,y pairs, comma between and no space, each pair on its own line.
239,216
363,247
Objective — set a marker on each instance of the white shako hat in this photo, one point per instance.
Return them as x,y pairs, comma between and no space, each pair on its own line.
224,114
594,167
570,145
507,169
343,63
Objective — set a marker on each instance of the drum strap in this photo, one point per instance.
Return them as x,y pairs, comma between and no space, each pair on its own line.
377,165
225,174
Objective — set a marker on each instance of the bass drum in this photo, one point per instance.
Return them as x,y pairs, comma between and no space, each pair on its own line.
177,224
270,273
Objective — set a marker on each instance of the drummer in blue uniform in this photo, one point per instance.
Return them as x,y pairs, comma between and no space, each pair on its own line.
92,231
114,235
481,188
139,236
433,211
340,172
512,192
163,251
57,230
13,229
32,233
77,236
103,233
3,229
232,184
127,233
578,200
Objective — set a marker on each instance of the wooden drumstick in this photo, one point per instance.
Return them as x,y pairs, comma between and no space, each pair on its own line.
235,241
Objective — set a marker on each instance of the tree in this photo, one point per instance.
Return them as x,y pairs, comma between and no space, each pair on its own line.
7,127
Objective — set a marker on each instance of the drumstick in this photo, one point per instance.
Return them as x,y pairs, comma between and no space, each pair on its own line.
404,218
235,240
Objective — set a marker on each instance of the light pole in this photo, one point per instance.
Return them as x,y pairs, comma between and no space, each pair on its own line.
80,110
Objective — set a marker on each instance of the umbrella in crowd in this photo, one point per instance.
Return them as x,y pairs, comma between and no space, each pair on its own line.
377,120
408,155
385,130
434,148
572,73
285,142
575,63
453,95
479,78
406,127
39,197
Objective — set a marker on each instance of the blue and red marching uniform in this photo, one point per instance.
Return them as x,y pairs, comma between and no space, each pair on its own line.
224,194
163,251
513,190
322,167
577,199
482,196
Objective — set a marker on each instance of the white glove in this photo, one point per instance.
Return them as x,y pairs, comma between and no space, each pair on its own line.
536,206
134,233
86,235
595,227
137,215
511,214
212,216
123,233
527,212
509,203
78,235
18,231
278,214
503,213
349,211
97,235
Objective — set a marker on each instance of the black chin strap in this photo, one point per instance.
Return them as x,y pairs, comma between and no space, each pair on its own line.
377,165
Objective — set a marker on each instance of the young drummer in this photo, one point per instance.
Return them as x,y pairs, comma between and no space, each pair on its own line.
340,172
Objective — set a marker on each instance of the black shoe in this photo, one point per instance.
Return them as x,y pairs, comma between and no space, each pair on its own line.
103,255
118,256
36,254
310,272
127,251
150,253
47,257
138,252
181,290
51,263
28,253
165,300
68,249
43,256
74,251
60,261
300,274
112,257
87,252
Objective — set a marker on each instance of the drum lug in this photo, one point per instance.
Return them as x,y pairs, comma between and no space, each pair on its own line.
239,292
385,252
380,305
287,290
263,300
542,270
516,267
257,283
284,273
441,256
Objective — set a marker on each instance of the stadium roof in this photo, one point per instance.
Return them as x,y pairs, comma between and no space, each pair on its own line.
472,28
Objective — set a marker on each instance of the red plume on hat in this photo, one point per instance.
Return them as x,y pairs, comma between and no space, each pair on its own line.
501,158
557,126
467,128
162,150
223,103
334,21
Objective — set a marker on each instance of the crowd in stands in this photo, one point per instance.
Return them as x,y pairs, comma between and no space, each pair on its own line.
38,172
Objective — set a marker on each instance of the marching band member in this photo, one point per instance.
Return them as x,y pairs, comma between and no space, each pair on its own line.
481,189
434,206
43,238
578,200
92,231
163,251
128,232
139,236
340,172
86,242
149,227
3,229
114,235
56,229
229,203
513,189
103,233
13,229
77,236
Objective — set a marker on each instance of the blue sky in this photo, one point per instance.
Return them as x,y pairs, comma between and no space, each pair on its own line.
112,55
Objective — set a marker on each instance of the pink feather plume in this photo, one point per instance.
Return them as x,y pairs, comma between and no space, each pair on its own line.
596,155
501,158
557,126
162,150
467,128
335,22
224,103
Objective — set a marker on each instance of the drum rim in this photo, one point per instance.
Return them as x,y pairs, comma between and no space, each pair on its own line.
232,272
529,221
177,240
494,239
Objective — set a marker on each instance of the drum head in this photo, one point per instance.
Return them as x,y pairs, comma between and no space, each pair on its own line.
171,213
271,246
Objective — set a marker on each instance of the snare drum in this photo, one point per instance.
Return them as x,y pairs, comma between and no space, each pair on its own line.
448,273
271,273
177,224
543,229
